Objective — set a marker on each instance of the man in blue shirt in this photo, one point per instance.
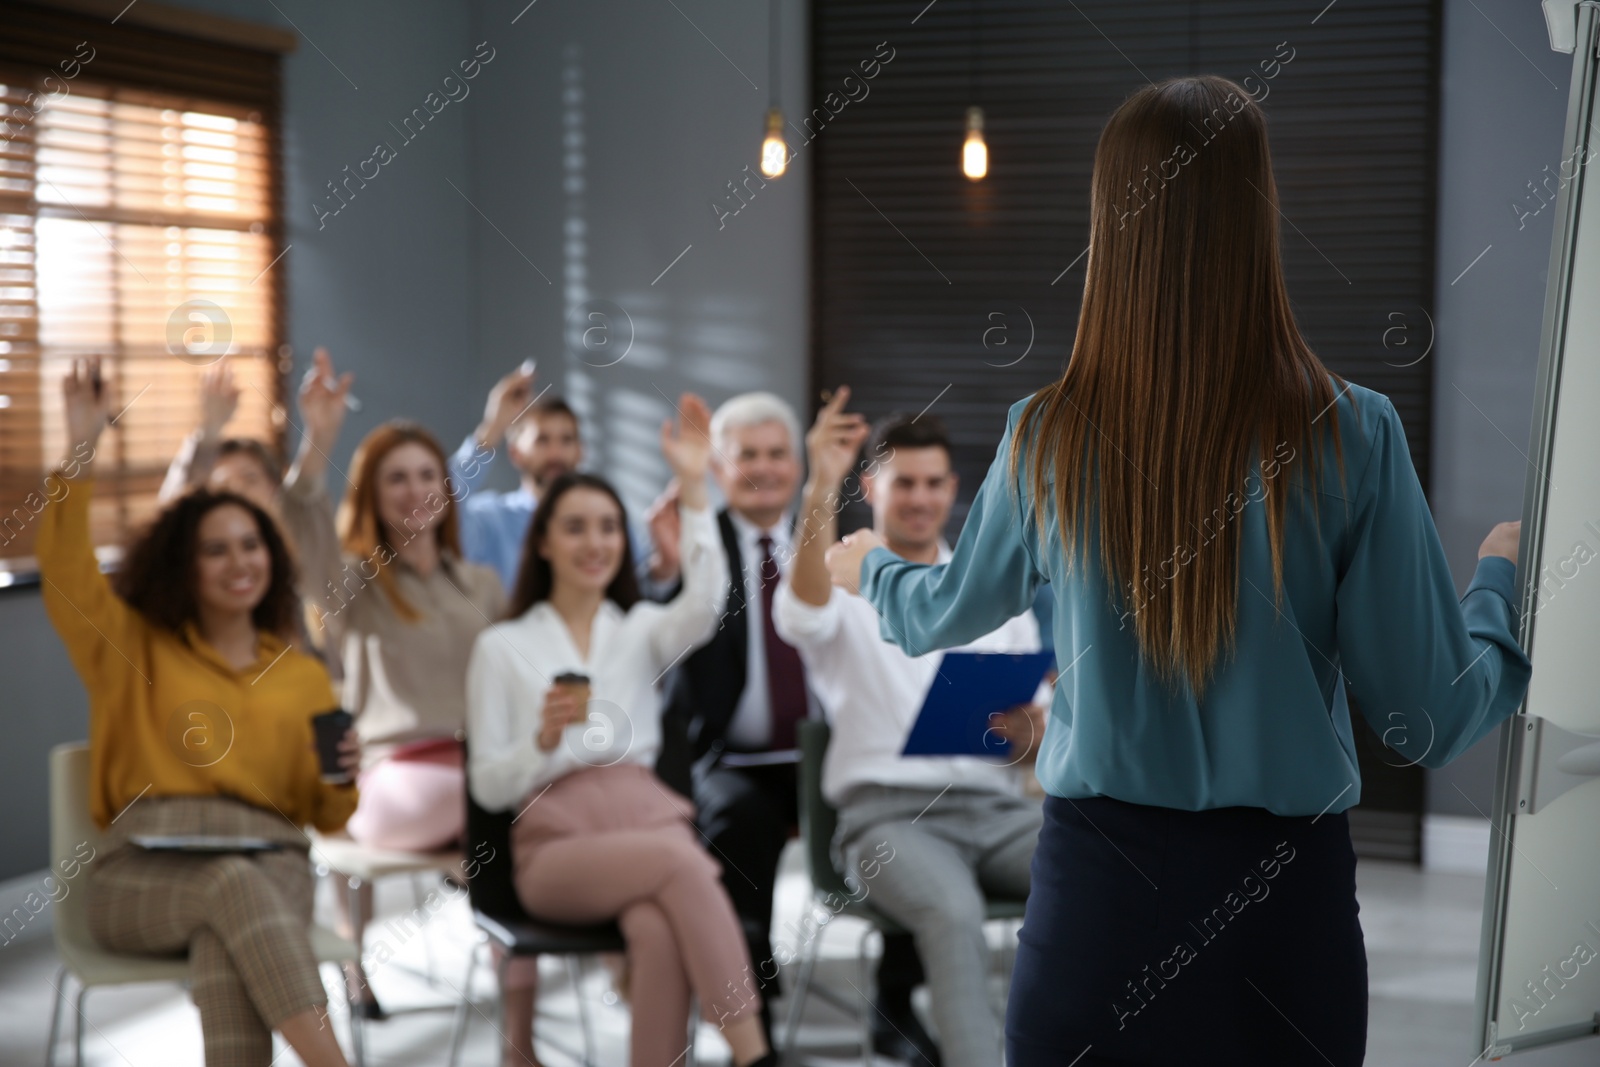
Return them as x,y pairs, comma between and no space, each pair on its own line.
543,441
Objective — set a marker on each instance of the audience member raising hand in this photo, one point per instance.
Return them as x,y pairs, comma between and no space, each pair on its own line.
196,627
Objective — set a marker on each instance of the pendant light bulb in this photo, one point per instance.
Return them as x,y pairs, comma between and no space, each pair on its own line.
774,152
975,153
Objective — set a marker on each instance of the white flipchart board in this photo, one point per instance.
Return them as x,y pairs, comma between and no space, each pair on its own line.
1539,971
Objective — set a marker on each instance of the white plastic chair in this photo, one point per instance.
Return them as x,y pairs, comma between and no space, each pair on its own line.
81,956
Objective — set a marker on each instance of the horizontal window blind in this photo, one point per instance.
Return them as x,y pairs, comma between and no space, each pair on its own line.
140,226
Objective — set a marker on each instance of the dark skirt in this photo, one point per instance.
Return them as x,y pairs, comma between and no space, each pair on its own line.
1155,936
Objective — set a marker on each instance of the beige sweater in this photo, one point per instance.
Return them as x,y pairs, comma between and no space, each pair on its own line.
403,680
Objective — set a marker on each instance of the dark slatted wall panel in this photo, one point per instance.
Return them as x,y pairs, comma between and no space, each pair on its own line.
930,289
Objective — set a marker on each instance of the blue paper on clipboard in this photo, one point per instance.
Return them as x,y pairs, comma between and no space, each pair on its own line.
971,686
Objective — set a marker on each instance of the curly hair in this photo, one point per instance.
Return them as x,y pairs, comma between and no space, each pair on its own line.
158,573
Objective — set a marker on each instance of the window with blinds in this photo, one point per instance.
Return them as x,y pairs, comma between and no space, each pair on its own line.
138,226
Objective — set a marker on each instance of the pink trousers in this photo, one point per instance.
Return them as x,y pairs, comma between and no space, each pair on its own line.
606,843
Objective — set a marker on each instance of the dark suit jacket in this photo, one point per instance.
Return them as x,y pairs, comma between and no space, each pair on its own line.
704,690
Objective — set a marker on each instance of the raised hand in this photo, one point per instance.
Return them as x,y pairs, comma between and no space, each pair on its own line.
322,400
86,397
509,398
686,442
219,399
834,441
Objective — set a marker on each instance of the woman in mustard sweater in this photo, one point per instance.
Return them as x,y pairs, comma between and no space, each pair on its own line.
199,723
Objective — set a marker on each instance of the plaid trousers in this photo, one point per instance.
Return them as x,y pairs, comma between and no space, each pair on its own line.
242,918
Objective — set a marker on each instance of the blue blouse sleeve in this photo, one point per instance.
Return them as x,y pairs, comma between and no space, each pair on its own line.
991,576
1433,675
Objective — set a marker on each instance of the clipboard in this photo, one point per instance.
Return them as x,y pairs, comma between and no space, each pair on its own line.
971,686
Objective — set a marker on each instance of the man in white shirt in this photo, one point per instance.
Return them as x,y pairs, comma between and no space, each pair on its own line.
958,826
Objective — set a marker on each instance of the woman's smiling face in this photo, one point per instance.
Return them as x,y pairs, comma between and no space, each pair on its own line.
585,541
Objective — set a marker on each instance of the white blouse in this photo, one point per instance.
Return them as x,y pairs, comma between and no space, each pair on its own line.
513,662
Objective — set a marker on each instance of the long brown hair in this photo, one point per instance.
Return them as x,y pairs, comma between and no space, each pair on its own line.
1187,358
158,576
361,531
534,576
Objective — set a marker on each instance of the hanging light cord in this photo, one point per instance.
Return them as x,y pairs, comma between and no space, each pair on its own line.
972,56
773,70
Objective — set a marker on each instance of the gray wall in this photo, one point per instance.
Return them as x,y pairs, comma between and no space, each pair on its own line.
427,300
605,140
1501,124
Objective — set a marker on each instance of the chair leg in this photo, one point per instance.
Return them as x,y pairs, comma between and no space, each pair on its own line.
77,1027
694,1031
358,1036
358,921
575,975
458,1033
427,939
55,1017
802,986
864,980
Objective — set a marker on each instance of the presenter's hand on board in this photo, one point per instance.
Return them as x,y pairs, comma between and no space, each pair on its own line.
1502,541
844,558
834,441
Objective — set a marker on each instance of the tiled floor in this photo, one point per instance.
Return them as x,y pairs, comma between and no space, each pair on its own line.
1421,928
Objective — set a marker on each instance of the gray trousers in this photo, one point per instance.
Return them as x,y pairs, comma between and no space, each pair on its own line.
929,860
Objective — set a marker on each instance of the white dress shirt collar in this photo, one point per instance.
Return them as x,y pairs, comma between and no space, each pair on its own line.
749,531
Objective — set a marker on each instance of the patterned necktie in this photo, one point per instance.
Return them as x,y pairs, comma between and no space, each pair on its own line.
786,677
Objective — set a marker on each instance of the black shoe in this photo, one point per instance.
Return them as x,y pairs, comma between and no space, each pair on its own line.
899,1035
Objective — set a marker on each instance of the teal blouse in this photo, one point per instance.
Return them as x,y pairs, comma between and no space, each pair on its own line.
1370,609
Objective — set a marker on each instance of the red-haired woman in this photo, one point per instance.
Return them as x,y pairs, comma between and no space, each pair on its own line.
199,723
400,609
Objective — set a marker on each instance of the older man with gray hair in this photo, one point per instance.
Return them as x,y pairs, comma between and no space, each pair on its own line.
732,706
